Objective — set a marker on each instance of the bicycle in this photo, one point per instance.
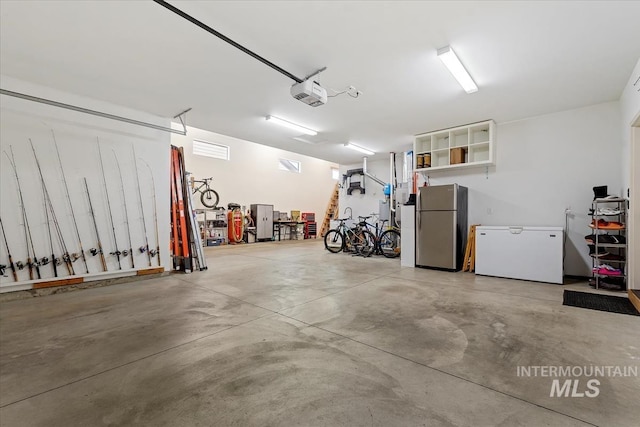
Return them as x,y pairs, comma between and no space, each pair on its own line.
387,240
209,197
343,238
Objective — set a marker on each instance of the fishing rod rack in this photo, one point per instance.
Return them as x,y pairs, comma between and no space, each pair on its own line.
67,261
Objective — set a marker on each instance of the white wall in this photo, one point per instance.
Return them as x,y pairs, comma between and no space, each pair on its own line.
252,175
76,134
364,204
544,165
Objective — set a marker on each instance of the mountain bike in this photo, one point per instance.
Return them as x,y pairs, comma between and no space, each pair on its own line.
387,238
356,239
209,197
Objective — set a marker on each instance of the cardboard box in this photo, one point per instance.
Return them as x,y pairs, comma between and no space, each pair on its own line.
457,155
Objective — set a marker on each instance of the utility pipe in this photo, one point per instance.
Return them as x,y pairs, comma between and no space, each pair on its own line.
392,208
364,171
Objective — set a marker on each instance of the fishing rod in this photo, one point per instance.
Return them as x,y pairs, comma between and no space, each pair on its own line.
11,264
32,263
155,209
95,251
54,260
126,215
116,252
48,203
73,215
144,225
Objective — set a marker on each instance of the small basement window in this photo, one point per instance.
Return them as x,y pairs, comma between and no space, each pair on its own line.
210,149
289,165
335,174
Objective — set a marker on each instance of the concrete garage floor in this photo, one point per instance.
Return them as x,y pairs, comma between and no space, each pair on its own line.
287,334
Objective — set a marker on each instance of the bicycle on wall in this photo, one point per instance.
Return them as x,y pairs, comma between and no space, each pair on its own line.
343,238
387,237
209,197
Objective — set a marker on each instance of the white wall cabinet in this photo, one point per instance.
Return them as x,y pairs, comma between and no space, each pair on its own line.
527,253
463,146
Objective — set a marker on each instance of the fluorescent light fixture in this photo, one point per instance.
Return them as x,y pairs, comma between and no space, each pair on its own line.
290,125
305,140
360,149
448,56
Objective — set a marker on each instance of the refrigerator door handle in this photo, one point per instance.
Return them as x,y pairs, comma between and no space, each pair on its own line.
418,208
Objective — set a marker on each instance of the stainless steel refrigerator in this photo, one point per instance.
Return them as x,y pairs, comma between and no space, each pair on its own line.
441,226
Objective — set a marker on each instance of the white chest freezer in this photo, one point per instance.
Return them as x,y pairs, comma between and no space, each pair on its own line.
527,253
408,241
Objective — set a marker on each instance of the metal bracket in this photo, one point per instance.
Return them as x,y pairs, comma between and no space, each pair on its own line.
315,73
183,121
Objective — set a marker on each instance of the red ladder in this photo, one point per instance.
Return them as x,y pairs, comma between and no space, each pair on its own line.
180,236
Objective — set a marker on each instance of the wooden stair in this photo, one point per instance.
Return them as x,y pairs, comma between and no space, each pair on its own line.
332,210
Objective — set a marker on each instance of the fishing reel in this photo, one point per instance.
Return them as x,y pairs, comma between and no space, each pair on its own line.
94,251
67,257
153,252
125,252
43,261
142,249
19,265
2,270
57,261
116,253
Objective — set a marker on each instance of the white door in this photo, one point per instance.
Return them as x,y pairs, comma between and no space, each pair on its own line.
633,269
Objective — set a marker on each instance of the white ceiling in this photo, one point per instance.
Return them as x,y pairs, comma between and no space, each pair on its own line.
528,58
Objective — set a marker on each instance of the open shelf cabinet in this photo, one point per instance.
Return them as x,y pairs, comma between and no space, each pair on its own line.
462,146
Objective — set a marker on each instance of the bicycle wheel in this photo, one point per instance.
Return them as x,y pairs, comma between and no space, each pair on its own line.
389,244
334,241
363,242
209,198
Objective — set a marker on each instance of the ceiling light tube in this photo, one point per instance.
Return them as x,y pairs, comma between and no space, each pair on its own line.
290,125
360,149
450,59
